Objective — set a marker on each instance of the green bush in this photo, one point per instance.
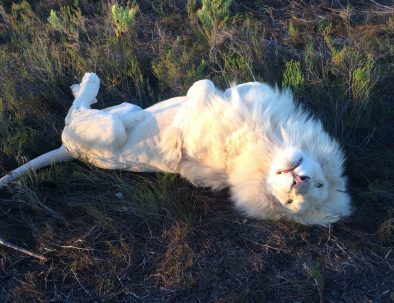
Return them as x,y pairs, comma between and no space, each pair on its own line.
214,16
70,22
293,76
123,18
363,80
293,31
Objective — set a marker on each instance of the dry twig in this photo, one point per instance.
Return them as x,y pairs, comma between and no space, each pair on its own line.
25,251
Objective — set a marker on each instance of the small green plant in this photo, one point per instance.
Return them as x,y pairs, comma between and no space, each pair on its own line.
363,80
69,21
337,55
157,197
293,31
55,21
23,20
293,76
236,67
316,273
22,9
123,18
311,57
214,16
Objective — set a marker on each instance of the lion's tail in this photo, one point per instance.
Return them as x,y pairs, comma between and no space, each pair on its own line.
54,156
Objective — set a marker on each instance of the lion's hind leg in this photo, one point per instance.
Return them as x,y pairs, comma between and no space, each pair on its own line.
94,130
85,94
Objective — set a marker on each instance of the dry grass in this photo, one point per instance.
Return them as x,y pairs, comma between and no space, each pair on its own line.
123,237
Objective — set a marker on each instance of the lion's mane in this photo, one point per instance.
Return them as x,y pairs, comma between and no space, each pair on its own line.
230,138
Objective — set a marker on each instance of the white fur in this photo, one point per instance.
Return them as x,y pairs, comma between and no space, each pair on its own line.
240,138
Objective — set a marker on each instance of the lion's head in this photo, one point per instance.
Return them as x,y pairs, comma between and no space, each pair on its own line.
303,185
296,179
307,188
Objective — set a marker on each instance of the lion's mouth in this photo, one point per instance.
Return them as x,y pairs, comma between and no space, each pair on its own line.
289,201
288,170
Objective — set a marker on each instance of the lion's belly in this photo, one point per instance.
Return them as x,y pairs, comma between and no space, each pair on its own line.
133,156
102,139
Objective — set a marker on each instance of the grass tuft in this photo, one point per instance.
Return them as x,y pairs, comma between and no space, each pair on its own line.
123,18
214,16
293,76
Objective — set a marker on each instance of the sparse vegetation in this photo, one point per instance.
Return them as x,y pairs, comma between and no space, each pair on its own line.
125,237
363,80
293,31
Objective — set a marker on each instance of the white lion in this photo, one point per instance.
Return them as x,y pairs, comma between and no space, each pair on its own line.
276,159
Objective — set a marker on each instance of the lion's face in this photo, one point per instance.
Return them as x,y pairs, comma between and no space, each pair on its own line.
301,184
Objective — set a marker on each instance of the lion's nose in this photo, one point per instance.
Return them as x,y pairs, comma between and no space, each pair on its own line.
298,180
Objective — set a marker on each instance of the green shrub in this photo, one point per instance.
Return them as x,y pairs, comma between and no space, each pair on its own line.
69,21
293,31
55,21
311,58
214,16
236,68
293,76
337,55
363,80
22,10
123,18
23,20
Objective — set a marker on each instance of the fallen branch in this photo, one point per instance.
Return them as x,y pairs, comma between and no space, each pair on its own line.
25,251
